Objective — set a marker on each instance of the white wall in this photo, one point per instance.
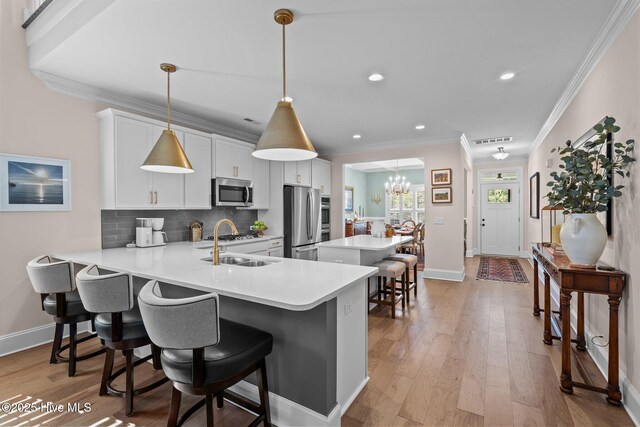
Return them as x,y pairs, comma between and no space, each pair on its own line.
35,121
444,243
613,89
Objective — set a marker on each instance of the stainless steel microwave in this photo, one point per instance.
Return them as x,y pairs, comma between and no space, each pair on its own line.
232,192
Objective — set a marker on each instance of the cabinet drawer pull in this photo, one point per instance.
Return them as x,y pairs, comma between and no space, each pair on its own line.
156,193
150,197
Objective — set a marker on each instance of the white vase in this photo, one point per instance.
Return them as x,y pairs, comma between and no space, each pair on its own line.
583,239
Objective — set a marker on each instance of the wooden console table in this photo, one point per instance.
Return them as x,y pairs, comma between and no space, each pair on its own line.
580,280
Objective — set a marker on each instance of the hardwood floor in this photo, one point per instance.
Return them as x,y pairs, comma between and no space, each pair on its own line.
471,354
465,353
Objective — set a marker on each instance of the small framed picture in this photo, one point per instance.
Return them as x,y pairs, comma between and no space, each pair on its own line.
534,195
441,195
440,176
348,198
34,184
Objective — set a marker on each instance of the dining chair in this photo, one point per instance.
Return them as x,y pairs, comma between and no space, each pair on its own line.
411,223
412,246
421,235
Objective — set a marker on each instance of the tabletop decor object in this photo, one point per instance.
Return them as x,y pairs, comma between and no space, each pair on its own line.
584,187
259,227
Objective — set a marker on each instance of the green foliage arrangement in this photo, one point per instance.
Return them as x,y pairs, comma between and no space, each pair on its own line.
259,225
583,184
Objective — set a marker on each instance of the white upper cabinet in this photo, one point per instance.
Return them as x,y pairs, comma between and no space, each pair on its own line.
233,159
127,186
125,142
168,188
321,176
197,185
261,170
244,162
298,173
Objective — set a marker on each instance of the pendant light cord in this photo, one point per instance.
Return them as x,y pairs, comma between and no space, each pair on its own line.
284,66
168,101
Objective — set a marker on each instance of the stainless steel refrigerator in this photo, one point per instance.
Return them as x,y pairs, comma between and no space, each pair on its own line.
302,227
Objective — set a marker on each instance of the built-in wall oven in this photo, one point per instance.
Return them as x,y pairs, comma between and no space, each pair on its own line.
232,192
325,218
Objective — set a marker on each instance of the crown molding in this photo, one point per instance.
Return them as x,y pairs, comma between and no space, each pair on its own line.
110,98
390,145
465,145
613,26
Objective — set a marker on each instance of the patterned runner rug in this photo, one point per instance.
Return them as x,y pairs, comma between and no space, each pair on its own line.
501,270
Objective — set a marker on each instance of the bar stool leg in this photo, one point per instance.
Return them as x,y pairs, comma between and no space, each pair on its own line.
220,400
407,293
57,342
155,351
73,334
263,388
174,409
209,400
404,290
379,289
107,370
128,354
393,296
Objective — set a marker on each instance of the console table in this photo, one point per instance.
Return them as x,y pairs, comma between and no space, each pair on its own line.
581,280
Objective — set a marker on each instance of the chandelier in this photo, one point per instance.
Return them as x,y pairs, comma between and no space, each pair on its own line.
397,184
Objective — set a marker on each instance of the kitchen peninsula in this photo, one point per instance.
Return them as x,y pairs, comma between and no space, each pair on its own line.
315,311
360,250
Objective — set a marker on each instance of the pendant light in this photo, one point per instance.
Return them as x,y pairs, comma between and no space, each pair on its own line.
501,154
284,138
167,156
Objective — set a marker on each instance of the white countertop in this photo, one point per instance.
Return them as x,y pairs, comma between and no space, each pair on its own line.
366,242
287,283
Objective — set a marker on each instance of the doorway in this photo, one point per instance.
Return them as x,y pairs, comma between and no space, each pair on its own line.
500,211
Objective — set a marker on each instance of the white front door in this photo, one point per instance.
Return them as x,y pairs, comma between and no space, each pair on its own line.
500,219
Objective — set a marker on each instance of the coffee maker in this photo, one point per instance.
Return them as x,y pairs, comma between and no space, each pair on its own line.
144,232
159,237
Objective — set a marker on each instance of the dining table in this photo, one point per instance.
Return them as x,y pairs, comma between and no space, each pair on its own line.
404,231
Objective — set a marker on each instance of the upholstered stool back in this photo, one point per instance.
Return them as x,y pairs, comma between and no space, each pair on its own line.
104,291
50,276
184,323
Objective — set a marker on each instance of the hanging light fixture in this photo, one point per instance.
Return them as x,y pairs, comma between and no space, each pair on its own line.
284,138
167,156
500,155
397,184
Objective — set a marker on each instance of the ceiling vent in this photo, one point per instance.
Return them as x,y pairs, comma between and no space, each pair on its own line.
500,140
253,122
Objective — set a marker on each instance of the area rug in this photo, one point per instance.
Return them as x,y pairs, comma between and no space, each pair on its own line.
501,270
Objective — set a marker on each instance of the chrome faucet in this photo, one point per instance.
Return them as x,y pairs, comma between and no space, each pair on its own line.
216,249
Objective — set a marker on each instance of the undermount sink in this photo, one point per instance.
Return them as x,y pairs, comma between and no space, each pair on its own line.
239,261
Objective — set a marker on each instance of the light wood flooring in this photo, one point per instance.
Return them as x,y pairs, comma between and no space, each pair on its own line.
465,353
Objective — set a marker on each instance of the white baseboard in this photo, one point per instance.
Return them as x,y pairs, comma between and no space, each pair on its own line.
351,398
285,412
451,275
469,253
630,396
23,340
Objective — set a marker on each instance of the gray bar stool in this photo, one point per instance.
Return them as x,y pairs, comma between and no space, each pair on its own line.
388,270
204,354
120,325
410,262
53,280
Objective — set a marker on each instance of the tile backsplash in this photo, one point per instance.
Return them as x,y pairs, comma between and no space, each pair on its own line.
119,226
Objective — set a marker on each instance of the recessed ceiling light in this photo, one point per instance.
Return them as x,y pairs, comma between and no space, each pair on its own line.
376,77
420,127
507,76
357,136
287,98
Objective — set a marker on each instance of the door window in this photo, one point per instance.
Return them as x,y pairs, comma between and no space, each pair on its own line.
499,195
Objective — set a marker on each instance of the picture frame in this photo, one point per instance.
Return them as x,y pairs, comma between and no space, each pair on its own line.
606,218
441,176
441,195
534,196
348,198
34,184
